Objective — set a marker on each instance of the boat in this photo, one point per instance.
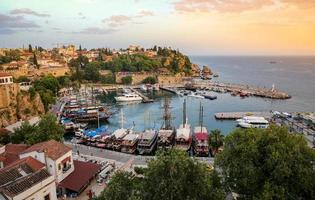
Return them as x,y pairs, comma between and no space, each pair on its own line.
209,96
252,122
127,97
118,135
215,75
129,143
201,137
156,87
196,95
147,142
183,139
143,88
166,134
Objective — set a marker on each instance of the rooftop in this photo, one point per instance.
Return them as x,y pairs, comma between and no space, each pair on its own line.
11,153
80,177
52,149
21,175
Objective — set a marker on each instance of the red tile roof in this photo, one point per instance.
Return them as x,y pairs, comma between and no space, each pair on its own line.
11,153
80,177
2,74
52,149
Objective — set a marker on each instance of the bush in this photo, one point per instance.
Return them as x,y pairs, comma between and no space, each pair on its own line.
127,80
108,79
150,80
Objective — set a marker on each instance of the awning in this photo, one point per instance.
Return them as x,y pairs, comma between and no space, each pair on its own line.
83,173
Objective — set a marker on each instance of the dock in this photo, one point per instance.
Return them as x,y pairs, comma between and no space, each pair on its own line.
145,99
239,115
169,89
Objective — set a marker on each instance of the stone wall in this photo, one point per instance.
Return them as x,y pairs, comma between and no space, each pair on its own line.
137,78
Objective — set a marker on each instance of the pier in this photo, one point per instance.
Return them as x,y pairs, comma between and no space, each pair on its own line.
239,115
145,99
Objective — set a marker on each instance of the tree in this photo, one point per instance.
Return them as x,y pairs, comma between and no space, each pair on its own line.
215,140
4,136
121,187
127,80
150,80
48,128
173,175
35,59
268,164
30,49
20,134
91,71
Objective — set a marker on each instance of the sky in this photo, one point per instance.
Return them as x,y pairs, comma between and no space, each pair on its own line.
196,27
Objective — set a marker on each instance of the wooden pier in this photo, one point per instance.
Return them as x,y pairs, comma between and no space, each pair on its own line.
145,99
239,115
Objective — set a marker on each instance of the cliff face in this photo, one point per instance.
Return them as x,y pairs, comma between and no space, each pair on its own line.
20,106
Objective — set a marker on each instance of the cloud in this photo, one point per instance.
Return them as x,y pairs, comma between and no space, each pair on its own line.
9,24
185,6
234,6
28,11
117,20
96,30
7,21
120,20
145,13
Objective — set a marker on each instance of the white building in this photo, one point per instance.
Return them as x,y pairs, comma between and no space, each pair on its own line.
27,179
56,156
5,79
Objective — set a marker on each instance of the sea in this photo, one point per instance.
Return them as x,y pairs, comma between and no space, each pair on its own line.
293,75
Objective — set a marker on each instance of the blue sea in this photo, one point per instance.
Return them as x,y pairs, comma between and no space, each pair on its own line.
294,75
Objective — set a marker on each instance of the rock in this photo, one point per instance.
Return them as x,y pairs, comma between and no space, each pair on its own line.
206,71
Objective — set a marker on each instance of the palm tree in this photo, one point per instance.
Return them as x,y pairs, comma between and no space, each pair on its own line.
215,141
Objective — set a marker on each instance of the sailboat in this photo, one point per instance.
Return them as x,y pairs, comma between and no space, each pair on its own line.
183,139
118,135
201,145
166,134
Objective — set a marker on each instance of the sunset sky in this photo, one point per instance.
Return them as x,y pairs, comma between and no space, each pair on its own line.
197,27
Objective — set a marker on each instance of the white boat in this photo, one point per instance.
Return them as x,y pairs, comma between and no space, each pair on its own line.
183,138
196,95
143,88
253,122
128,97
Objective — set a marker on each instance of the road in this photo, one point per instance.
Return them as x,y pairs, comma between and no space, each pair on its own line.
127,160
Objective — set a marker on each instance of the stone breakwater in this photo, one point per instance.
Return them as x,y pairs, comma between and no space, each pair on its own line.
242,89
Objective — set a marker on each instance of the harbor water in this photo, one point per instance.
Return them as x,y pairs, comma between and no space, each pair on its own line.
294,75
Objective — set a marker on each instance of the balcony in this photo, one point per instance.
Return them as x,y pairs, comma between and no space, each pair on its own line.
65,169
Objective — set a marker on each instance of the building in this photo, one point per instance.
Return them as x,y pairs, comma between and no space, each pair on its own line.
56,156
28,179
10,153
5,79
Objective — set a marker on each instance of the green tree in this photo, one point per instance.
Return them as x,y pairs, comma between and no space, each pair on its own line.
127,80
20,134
268,164
4,136
215,140
30,49
121,187
150,80
35,59
91,71
173,175
108,79
21,79
48,128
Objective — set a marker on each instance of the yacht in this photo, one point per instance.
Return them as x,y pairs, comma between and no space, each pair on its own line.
129,143
126,97
253,122
183,139
118,135
196,95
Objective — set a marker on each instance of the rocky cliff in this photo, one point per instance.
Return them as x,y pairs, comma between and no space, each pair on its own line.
21,107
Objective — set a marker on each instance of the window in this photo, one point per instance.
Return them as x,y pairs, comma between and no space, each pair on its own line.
47,197
59,166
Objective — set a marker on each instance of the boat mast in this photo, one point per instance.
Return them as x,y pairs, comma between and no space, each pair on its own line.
184,113
121,119
167,114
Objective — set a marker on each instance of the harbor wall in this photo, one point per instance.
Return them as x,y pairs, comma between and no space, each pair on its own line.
138,77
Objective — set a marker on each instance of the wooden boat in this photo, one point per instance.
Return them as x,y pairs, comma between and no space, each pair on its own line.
147,142
201,137
183,139
129,143
166,135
